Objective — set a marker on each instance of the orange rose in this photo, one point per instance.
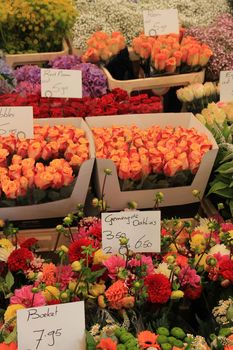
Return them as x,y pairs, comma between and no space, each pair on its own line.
157,164
34,150
135,170
46,152
16,159
3,155
67,173
124,169
28,163
170,65
59,163
178,57
75,161
91,55
14,171
172,166
39,167
160,61
29,174
23,186
57,180
22,148
204,57
43,180
193,56
10,188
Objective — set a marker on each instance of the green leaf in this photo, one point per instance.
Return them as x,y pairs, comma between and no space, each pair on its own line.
53,195
219,185
226,168
9,279
90,341
38,195
12,337
225,193
8,203
66,191
94,275
231,206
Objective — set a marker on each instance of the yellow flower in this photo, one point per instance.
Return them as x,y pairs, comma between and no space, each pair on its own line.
100,257
5,243
97,289
202,262
76,266
51,293
198,243
11,312
177,294
101,301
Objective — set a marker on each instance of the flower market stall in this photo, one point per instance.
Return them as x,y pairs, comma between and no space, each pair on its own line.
116,175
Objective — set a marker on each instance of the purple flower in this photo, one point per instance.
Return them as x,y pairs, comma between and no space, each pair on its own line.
219,37
65,62
7,79
26,87
28,73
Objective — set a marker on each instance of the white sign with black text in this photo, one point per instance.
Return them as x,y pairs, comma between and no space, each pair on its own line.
62,83
55,327
226,86
17,121
161,22
142,228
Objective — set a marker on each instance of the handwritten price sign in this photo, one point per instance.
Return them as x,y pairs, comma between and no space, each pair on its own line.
17,121
161,22
142,228
56,327
62,83
226,86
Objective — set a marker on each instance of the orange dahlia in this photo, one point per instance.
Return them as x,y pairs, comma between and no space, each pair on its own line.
107,344
115,293
147,339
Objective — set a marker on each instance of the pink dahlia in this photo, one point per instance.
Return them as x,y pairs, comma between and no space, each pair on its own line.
26,297
113,264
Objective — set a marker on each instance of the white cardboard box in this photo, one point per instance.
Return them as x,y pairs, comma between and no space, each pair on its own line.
61,207
117,199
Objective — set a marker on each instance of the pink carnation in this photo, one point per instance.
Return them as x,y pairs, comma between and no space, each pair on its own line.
25,297
145,260
113,264
65,275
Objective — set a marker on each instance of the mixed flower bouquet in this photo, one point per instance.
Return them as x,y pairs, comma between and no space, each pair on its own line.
154,157
133,301
169,54
38,26
115,102
197,96
42,169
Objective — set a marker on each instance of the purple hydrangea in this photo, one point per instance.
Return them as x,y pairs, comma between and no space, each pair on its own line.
26,87
65,62
7,79
220,39
28,73
93,79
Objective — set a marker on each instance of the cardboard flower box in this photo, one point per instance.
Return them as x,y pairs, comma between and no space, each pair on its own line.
118,199
161,84
35,58
58,208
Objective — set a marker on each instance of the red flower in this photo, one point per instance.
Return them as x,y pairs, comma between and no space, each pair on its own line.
107,344
226,269
19,259
29,243
158,288
76,251
193,293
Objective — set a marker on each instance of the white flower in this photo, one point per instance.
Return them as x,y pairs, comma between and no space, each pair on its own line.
219,248
5,253
163,268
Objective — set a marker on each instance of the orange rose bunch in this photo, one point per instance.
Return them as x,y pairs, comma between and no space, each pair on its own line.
101,46
49,161
170,53
143,153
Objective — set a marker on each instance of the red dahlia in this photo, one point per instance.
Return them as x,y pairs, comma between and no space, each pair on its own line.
29,243
226,269
158,288
19,259
76,250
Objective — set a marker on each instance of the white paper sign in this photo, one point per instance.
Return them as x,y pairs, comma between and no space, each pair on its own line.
142,228
17,121
226,86
55,327
61,83
161,22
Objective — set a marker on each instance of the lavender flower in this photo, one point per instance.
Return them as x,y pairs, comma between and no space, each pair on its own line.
65,62
219,37
26,87
28,73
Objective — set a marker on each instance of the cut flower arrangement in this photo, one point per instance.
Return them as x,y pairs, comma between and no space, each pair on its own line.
115,102
151,158
42,169
132,300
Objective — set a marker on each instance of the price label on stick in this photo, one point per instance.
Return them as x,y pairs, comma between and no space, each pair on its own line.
55,327
142,228
62,83
226,86
161,22
17,121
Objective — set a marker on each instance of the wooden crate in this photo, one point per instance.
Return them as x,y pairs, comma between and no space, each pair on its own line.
36,58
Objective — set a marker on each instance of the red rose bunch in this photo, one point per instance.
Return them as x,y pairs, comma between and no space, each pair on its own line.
115,102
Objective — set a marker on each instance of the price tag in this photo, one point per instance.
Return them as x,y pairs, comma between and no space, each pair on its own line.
17,121
226,86
161,22
142,228
61,83
56,327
